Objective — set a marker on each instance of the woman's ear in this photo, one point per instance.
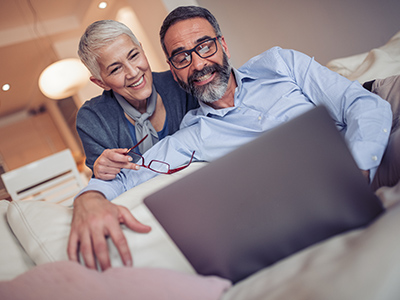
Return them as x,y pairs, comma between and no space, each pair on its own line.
100,83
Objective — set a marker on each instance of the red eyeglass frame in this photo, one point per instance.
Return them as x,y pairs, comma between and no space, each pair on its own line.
170,171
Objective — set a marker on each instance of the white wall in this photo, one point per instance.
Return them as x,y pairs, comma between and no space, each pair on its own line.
320,28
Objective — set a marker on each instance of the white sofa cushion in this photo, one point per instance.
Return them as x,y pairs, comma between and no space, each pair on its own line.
378,63
13,259
43,229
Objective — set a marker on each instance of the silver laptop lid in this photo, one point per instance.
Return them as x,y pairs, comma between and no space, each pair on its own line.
292,187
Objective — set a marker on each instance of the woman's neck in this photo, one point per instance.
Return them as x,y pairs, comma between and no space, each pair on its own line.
140,106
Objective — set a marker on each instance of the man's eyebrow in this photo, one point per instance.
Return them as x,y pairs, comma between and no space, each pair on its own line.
202,39
198,41
177,50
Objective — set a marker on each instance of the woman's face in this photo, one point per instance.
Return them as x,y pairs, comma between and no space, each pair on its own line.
125,70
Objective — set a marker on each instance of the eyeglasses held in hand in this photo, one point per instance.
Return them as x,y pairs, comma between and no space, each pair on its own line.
205,49
155,165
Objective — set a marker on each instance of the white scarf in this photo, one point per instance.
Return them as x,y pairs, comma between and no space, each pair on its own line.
142,124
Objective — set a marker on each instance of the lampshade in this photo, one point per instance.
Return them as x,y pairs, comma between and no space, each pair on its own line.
63,78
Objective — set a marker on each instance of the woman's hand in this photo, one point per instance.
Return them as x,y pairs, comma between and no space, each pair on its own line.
110,163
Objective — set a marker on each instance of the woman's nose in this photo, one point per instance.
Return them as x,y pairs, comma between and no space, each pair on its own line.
131,71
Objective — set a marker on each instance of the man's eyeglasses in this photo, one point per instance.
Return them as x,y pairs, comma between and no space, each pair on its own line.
205,49
155,165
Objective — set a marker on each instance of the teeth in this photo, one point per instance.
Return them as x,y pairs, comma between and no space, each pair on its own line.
137,83
205,77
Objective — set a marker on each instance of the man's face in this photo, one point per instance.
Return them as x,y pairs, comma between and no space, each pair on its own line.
205,78
124,69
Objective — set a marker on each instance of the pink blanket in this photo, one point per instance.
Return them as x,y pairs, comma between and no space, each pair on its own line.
69,280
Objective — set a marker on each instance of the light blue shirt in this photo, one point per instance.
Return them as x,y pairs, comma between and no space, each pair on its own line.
272,88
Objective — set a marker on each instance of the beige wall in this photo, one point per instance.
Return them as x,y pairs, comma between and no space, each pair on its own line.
320,28
29,139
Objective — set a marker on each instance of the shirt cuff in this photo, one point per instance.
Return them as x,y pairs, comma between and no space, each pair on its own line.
101,186
368,155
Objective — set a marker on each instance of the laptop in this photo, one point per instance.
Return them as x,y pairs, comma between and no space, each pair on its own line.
292,187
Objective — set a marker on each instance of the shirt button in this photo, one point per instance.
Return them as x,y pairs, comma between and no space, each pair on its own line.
374,157
385,130
259,118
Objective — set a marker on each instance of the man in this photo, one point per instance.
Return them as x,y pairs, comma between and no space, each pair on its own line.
236,106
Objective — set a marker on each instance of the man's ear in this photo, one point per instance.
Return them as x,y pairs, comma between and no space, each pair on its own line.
100,83
225,46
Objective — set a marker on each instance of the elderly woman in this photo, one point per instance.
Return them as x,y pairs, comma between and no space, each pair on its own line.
135,101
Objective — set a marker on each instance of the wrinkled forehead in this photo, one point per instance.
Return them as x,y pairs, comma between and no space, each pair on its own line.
117,50
186,34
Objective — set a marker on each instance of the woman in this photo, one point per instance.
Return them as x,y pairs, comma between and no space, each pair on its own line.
135,101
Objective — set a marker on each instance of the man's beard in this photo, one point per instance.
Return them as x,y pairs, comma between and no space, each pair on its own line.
213,90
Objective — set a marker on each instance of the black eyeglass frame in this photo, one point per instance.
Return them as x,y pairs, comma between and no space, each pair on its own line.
190,52
142,164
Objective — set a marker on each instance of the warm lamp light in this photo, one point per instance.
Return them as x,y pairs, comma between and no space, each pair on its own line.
63,78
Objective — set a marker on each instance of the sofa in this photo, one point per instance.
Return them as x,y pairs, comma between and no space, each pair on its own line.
362,263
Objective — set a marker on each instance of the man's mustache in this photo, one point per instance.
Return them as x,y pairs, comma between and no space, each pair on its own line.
200,73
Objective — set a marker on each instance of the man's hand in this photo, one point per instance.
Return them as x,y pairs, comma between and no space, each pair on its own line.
110,163
389,195
94,219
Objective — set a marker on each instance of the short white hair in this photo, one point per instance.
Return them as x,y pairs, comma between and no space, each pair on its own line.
97,35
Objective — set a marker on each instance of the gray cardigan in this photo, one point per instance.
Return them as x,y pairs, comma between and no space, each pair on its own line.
101,122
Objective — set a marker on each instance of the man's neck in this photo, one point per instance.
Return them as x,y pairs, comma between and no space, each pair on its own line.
228,100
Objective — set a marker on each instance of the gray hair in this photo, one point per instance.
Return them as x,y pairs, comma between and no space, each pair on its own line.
97,35
183,13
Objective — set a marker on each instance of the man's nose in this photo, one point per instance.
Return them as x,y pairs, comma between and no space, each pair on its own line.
198,62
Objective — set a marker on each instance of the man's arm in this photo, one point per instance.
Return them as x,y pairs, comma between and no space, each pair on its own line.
364,118
94,219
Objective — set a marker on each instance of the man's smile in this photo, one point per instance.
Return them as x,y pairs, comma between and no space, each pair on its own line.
204,79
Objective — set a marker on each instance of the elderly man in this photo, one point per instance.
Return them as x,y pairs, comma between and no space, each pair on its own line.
236,106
